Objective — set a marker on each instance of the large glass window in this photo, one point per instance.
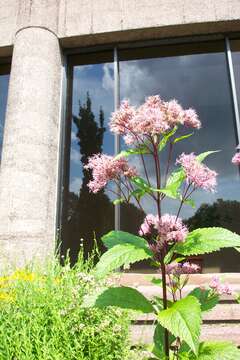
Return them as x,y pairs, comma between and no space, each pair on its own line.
197,76
4,80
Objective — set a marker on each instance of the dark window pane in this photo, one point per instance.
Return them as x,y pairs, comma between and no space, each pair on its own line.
91,103
197,76
4,80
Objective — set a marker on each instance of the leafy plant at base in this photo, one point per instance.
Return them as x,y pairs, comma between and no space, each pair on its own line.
150,130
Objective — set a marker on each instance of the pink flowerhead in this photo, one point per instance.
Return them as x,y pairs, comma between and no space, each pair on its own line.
150,119
220,288
105,168
236,159
153,117
182,268
169,228
197,174
190,119
174,113
149,223
121,120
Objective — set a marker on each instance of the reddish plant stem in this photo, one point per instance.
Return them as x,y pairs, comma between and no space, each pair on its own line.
163,252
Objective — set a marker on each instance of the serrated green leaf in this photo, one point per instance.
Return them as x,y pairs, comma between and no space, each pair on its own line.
136,151
208,299
118,237
217,351
119,255
207,240
205,154
183,320
182,138
125,298
165,138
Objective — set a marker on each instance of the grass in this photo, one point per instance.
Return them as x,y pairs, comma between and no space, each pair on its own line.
42,317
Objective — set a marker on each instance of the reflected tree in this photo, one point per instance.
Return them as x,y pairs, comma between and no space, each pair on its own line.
91,215
223,213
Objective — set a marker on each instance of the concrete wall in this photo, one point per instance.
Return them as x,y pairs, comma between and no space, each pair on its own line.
86,22
34,33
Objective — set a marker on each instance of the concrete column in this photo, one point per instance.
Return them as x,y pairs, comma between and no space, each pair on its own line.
28,174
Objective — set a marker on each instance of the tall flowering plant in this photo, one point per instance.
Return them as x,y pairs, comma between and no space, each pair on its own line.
148,131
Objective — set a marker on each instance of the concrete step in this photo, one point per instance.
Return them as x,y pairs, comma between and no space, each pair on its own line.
220,313
220,324
143,334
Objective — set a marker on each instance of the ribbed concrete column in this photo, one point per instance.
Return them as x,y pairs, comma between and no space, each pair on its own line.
28,174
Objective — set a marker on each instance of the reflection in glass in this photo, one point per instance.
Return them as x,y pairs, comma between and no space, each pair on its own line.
4,80
197,77
87,216
235,51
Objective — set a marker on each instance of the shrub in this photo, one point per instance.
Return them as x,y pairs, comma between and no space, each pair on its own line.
42,317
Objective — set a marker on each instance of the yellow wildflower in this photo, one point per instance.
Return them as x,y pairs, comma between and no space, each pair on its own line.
6,297
23,275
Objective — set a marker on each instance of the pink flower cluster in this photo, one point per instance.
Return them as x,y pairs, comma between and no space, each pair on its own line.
236,159
169,228
197,174
154,117
105,168
220,288
178,269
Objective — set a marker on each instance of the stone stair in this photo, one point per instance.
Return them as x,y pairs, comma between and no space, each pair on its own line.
220,324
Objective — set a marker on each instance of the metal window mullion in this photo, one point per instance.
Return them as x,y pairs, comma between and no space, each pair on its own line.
116,136
233,87
61,145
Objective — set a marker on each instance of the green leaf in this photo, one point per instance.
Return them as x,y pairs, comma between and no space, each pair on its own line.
182,138
165,138
237,248
118,201
158,339
183,320
138,193
118,237
156,281
207,298
125,298
174,182
207,240
217,351
119,255
205,154
141,184
190,202
142,149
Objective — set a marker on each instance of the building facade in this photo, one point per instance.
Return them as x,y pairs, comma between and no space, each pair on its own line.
64,67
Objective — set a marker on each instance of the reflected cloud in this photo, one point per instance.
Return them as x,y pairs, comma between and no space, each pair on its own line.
75,185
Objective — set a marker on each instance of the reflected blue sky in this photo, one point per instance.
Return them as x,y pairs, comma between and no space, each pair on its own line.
97,80
199,81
